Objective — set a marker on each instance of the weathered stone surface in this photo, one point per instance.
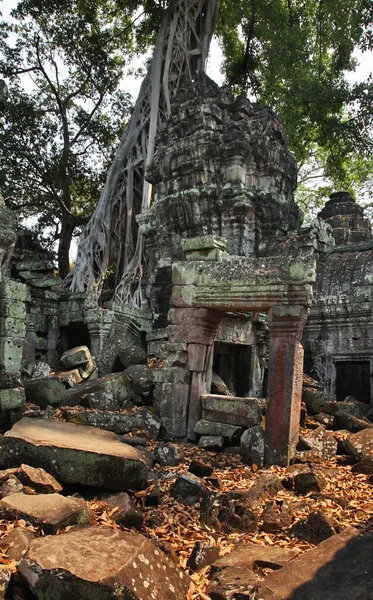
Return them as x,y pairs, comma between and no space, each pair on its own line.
276,517
41,481
141,378
200,468
365,465
213,428
224,512
359,444
303,479
49,511
322,441
17,542
12,399
337,569
232,583
218,386
44,391
41,369
252,446
119,422
132,355
10,487
188,489
253,555
244,412
264,488
211,442
117,384
316,528
75,454
167,455
127,513
5,577
202,555
75,357
69,378
314,399
344,420
99,563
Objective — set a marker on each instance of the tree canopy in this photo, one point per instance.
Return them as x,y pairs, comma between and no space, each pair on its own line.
294,55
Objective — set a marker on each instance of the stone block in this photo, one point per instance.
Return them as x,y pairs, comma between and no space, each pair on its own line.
13,398
48,511
197,357
39,480
188,489
321,440
99,563
44,390
16,543
12,327
244,412
173,408
75,454
75,357
231,432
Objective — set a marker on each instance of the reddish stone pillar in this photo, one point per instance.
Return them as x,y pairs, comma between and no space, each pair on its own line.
285,375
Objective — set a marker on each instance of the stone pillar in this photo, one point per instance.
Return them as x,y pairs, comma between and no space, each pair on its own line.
285,376
191,336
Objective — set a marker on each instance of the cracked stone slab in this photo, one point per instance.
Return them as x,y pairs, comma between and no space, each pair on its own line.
98,563
75,454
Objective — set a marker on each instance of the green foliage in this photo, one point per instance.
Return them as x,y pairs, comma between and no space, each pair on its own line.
63,62
295,56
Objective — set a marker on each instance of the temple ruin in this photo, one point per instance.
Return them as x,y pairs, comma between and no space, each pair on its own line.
235,287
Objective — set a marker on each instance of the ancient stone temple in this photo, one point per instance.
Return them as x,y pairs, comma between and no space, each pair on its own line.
232,278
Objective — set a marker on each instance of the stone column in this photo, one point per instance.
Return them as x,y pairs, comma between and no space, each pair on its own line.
285,375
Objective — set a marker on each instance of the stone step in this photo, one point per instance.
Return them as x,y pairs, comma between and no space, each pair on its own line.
244,412
75,454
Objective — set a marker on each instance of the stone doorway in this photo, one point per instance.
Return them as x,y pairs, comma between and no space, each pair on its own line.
353,378
232,362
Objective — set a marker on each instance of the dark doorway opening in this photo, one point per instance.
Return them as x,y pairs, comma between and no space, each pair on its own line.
232,362
353,379
75,334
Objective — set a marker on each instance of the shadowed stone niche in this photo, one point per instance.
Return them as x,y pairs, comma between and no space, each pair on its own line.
203,291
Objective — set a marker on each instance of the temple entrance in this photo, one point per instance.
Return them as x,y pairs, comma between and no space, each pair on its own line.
353,379
232,362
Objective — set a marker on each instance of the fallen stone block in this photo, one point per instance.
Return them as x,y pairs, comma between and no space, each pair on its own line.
304,479
211,442
48,511
226,513
69,378
46,391
218,386
322,441
337,569
365,465
252,446
359,444
11,486
188,489
120,422
16,543
132,355
102,564
316,528
75,454
116,384
202,555
265,487
253,556
344,420
244,412
167,455
141,378
200,468
213,428
75,357
232,583
39,480
276,517
127,513
314,399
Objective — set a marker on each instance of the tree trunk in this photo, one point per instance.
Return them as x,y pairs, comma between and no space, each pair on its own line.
182,47
68,224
